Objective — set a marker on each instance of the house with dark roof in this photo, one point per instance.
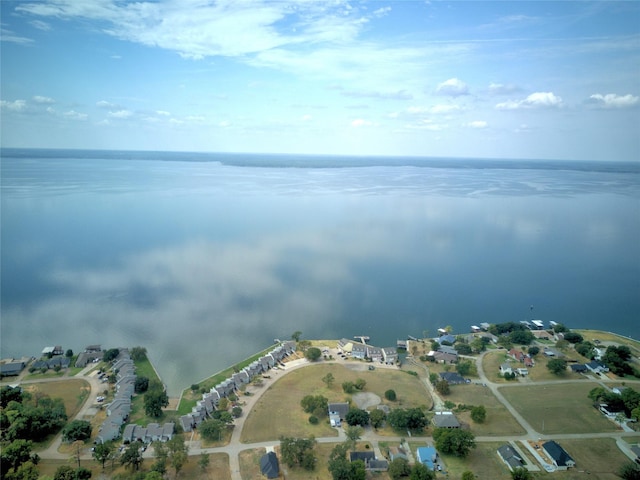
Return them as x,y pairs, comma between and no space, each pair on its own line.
11,369
370,461
269,465
397,452
578,368
358,350
339,408
452,378
597,367
374,353
448,338
560,458
390,355
445,420
510,457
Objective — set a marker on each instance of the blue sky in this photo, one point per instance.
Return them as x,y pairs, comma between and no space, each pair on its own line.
461,79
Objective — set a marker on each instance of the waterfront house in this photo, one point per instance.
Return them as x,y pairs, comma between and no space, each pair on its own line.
446,339
510,457
358,350
11,369
374,353
443,357
390,355
560,458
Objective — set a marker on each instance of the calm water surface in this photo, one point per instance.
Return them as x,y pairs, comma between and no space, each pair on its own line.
205,259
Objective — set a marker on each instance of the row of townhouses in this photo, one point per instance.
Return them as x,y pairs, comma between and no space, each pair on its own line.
205,407
118,410
363,351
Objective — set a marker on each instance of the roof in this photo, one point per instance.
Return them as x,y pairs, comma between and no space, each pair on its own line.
13,368
269,465
578,367
452,377
446,338
445,420
510,456
340,408
426,456
558,454
364,456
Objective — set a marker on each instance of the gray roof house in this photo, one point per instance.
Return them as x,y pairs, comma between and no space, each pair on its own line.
359,350
269,465
561,459
109,430
510,457
340,408
445,420
390,355
11,369
452,378
374,353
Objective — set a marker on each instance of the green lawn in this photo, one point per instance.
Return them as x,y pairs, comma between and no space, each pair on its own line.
483,461
498,422
599,456
561,408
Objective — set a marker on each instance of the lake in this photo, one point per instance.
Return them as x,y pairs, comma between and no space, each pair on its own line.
207,258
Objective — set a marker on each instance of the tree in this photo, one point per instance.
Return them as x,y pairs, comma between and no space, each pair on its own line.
132,456
138,354
295,336
102,452
360,384
464,367
468,475
520,473
410,418
212,429
26,471
204,461
454,441
141,384
68,353
348,386
399,468
76,430
463,348
64,472
178,453
298,452
557,366
328,379
533,350
478,345
573,337
442,387
316,404
629,471
155,400
236,411
390,395
312,354
586,349
353,434
521,337
110,354
223,404
377,418
10,394
341,468
420,472
357,416
14,455
479,414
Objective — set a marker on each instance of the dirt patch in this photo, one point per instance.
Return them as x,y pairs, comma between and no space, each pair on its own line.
365,400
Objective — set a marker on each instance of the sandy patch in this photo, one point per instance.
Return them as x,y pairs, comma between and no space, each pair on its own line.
365,400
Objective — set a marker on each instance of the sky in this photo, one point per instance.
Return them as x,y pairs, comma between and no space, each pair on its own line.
547,79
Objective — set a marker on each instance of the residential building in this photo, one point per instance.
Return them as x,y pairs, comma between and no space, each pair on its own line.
560,458
390,355
506,368
510,457
427,456
445,420
452,378
269,465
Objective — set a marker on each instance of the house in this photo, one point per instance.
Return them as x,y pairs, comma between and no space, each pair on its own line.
447,338
85,358
358,350
427,456
445,420
51,351
447,349
370,461
269,465
517,354
11,369
341,409
390,355
506,368
541,334
597,367
397,452
443,357
484,326
452,378
528,361
374,353
578,367
510,457
560,458
93,349
523,372
62,362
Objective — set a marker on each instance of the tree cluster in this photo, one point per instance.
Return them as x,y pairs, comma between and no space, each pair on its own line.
350,387
155,399
110,355
357,416
76,430
628,401
31,418
454,441
312,354
400,468
557,366
341,468
315,404
298,452
407,418
617,359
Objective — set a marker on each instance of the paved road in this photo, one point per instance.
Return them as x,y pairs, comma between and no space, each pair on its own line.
235,446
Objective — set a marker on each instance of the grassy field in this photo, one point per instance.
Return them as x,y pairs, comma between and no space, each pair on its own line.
499,421
282,399
250,463
483,461
592,335
538,373
551,404
598,456
73,393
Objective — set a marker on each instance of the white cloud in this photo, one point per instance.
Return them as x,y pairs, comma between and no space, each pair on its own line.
122,114
535,100
381,12
43,100
107,105
15,106
73,115
453,87
40,25
163,113
479,124
10,36
612,100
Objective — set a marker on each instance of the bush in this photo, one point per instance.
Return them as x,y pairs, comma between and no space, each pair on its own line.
390,395
313,420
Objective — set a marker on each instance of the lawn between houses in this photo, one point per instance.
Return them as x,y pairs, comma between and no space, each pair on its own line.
278,411
558,408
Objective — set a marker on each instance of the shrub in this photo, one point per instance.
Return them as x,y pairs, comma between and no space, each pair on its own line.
313,420
390,395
